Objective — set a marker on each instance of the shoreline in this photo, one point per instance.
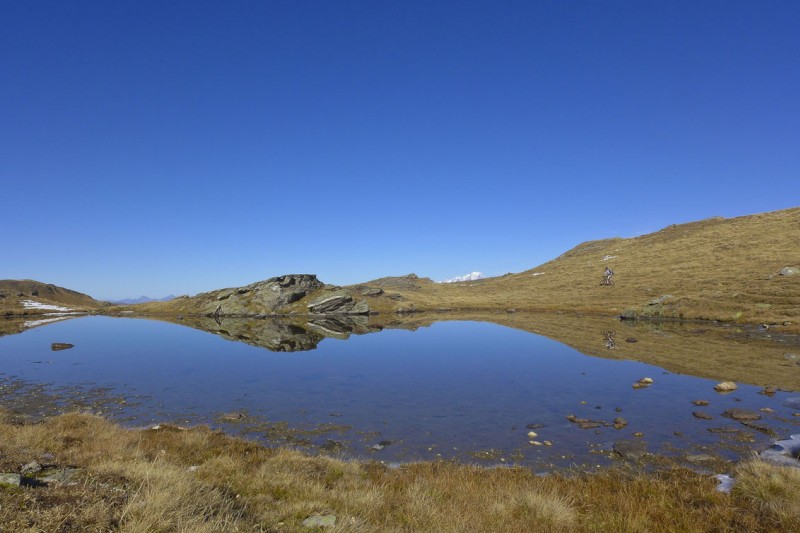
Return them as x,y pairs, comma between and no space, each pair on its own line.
101,476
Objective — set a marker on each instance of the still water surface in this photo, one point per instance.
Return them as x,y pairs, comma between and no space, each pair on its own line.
464,390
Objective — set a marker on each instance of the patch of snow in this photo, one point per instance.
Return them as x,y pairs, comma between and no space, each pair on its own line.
538,274
472,276
607,257
725,482
32,323
30,304
783,452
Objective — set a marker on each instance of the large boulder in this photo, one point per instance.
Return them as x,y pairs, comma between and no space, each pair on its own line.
264,297
338,302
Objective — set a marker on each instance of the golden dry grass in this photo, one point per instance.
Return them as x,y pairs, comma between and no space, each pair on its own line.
200,480
13,292
721,269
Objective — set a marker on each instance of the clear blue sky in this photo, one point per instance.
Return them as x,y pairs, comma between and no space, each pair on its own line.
152,147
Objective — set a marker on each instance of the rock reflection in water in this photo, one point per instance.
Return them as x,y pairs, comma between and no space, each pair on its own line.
282,334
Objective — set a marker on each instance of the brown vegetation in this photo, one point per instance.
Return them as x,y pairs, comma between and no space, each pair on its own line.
717,269
13,292
173,479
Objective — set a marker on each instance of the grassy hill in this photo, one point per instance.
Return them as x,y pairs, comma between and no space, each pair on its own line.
14,292
720,269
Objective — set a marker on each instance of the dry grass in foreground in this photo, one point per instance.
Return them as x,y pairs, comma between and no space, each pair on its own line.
201,480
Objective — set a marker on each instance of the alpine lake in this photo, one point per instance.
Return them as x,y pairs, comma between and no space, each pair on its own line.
549,392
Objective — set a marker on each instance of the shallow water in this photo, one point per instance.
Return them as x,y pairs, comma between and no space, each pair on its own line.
464,390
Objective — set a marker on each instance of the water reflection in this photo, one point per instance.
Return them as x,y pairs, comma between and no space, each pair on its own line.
281,334
464,389
722,352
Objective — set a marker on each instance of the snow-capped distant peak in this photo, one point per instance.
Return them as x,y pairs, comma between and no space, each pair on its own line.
472,276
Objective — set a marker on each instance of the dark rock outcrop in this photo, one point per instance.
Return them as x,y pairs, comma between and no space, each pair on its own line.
263,297
338,302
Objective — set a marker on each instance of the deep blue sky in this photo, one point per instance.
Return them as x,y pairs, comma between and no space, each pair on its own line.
175,147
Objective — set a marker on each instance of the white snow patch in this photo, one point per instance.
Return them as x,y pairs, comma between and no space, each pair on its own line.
32,323
725,482
472,276
30,304
607,257
538,274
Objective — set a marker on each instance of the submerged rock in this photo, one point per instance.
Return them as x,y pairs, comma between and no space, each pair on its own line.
630,449
741,414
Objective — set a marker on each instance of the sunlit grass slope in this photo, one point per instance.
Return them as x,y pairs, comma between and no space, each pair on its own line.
725,269
13,292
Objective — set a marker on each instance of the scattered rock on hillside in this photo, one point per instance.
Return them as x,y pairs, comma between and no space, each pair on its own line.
58,476
363,290
9,478
404,310
789,271
31,468
319,520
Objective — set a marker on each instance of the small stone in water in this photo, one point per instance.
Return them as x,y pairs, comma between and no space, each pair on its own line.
725,386
532,434
700,402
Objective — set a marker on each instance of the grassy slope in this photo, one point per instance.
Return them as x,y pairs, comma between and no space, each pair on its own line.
14,291
723,269
141,480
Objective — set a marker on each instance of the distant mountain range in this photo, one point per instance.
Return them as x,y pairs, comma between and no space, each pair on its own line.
142,300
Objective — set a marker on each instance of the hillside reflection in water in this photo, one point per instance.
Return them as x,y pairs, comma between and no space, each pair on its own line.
458,389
